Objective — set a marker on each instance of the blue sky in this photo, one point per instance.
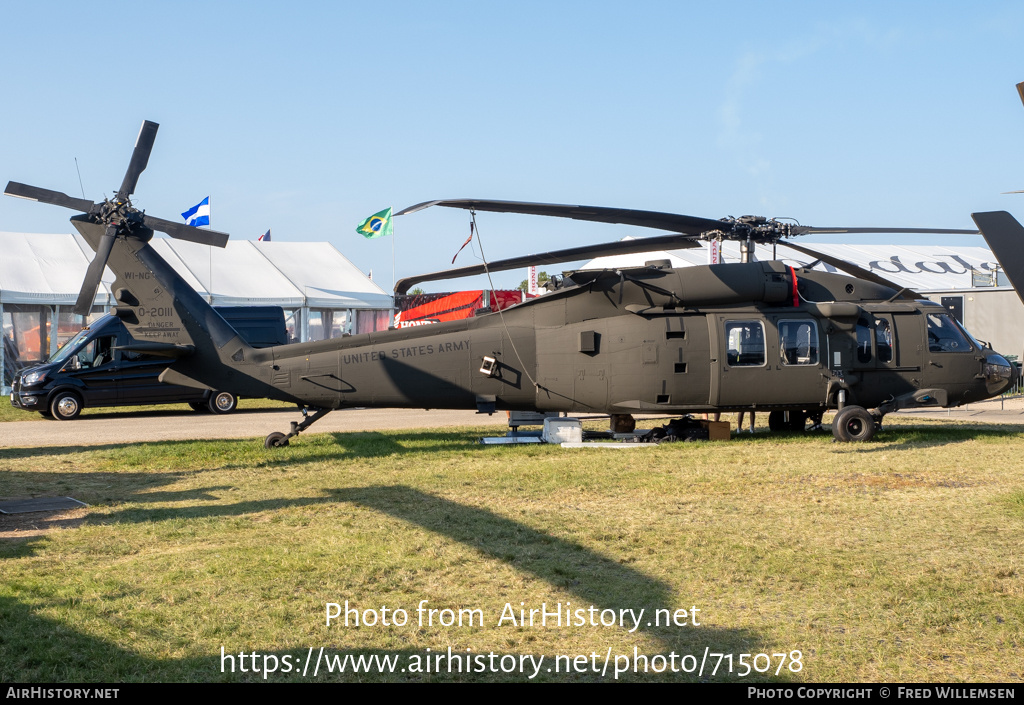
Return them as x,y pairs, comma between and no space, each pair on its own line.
307,117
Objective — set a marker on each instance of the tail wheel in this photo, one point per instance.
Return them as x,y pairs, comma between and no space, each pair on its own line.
853,423
222,402
275,440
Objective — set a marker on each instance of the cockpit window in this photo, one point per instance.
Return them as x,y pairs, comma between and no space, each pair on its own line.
944,335
977,343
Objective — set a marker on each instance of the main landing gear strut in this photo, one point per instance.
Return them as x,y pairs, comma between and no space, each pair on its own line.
280,440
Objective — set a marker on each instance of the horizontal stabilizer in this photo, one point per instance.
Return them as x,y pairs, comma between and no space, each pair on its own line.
170,376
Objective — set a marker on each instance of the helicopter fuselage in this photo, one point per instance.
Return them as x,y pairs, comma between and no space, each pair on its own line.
647,340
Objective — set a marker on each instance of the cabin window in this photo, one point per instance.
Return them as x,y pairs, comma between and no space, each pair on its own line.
745,343
883,339
863,341
944,335
798,342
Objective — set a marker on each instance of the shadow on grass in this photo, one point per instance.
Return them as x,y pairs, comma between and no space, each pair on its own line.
37,649
596,580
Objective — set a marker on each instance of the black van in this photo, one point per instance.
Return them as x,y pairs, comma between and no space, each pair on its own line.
91,369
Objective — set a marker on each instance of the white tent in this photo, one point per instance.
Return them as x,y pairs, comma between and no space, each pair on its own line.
324,295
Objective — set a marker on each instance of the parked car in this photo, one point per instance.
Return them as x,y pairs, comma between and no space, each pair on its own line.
92,369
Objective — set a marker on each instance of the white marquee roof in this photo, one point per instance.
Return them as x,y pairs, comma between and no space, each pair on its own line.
49,269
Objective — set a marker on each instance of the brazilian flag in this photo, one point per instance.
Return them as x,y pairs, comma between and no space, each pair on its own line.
377,225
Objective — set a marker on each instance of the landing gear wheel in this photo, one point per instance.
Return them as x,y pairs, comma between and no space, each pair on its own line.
275,440
65,406
853,423
222,402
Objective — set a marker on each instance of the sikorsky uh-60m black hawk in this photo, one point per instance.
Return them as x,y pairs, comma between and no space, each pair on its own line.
652,339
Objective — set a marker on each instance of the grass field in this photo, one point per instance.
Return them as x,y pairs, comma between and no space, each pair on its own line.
901,559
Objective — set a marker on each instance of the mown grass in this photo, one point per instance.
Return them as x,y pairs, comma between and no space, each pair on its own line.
896,560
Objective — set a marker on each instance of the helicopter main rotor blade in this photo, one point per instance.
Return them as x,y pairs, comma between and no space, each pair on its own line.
1005,237
140,158
95,272
56,198
808,229
181,231
679,241
672,222
853,270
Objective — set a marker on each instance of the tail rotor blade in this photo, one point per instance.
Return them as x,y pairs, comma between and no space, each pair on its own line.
181,231
56,198
140,158
95,273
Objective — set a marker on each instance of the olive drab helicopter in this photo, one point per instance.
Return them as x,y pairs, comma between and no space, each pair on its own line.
644,340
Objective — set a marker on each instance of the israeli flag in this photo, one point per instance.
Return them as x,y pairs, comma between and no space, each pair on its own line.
198,215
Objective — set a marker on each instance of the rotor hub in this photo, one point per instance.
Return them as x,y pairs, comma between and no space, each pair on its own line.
753,229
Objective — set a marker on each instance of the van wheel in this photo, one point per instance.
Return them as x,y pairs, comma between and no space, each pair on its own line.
222,402
65,406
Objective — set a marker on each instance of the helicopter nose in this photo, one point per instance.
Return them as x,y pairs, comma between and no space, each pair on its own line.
1000,374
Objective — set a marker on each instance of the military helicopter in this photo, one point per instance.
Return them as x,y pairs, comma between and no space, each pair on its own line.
651,339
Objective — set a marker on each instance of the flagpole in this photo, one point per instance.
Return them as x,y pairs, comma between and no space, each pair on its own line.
210,226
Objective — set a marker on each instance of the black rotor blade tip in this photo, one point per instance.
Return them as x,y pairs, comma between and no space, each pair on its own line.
140,158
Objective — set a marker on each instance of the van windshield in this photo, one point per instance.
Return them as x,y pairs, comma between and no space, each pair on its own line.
69,347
